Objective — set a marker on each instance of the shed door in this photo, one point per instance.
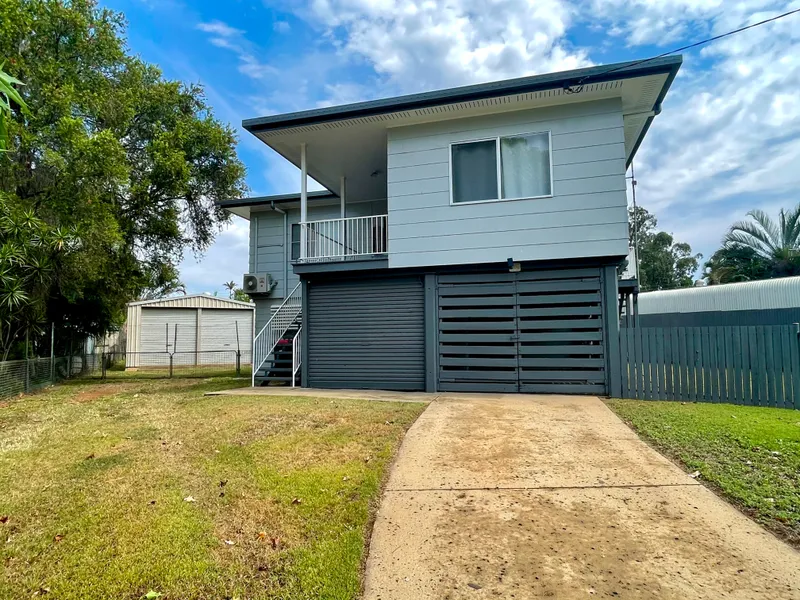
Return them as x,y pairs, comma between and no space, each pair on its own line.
367,334
535,332
220,339
159,329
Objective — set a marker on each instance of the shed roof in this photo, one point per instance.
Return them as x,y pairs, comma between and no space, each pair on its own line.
194,301
750,295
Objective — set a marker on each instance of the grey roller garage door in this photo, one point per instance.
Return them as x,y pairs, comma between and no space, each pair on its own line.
220,338
168,330
535,332
367,334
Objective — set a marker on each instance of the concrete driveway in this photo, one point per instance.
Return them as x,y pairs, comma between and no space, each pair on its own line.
554,497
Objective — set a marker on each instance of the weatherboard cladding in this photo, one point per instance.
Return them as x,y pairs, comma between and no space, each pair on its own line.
585,217
366,333
267,253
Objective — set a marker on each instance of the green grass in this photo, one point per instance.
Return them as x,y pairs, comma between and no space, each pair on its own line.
750,455
94,476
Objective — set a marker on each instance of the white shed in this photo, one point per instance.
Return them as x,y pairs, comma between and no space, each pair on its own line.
196,329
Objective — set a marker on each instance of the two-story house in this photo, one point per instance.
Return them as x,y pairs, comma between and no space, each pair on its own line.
470,239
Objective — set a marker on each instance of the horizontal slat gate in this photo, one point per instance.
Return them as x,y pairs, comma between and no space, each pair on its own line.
367,334
535,332
477,333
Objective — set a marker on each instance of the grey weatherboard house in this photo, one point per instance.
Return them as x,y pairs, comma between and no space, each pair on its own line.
469,241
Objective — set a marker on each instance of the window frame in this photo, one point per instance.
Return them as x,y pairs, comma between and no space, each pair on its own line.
498,166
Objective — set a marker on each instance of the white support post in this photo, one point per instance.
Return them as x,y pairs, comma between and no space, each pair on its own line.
342,194
303,202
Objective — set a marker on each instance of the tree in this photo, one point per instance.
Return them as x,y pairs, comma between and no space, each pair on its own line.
33,257
772,248
9,97
231,287
664,264
733,263
129,161
241,295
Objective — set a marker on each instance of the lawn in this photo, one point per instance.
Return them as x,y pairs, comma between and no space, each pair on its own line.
116,490
750,455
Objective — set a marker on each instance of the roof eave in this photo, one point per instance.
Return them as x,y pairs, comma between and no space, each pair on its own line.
669,65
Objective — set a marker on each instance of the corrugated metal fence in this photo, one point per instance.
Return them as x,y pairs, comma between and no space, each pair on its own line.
758,365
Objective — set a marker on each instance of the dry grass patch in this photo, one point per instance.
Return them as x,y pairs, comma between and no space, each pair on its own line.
114,490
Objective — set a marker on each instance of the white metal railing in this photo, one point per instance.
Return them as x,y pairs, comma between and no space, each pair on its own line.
297,354
342,238
269,336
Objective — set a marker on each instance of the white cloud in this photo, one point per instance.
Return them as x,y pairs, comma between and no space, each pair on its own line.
219,28
230,38
227,259
729,138
417,45
281,27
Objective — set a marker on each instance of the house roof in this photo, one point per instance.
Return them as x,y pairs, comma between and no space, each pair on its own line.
549,81
243,206
351,140
193,301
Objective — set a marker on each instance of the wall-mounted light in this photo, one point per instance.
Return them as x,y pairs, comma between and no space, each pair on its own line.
513,267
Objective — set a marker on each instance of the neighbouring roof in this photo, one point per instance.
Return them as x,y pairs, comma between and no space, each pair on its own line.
242,206
750,295
193,301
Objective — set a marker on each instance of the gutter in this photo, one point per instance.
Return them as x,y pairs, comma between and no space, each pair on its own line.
285,247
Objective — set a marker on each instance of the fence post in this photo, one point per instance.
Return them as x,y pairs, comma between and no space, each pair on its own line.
27,364
238,363
53,353
170,366
103,365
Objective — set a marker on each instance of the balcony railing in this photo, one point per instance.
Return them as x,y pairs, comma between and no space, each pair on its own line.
341,239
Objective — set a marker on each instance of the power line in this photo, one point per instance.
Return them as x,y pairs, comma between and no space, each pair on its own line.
574,89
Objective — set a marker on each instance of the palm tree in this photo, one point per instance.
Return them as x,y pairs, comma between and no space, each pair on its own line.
777,243
231,287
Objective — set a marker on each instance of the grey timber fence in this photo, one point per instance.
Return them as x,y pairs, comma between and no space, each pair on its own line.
751,365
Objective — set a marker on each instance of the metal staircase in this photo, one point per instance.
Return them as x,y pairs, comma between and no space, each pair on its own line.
276,349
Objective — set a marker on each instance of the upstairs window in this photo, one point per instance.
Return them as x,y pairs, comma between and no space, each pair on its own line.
502,168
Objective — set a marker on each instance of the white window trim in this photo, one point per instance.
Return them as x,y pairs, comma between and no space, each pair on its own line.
498,167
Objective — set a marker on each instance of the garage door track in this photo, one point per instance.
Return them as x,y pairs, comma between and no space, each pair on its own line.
554,497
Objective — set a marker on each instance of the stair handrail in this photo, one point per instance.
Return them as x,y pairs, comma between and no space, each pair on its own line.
297,354
267,339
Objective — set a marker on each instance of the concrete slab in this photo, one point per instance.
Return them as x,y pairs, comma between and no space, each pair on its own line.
554,497
378,395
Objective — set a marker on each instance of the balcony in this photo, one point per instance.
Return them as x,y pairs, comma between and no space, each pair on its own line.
351,238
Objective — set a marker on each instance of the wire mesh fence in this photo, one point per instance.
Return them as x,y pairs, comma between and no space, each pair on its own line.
24,376
155,365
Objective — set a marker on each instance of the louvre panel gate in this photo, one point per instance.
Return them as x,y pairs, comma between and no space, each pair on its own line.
534,332
367,334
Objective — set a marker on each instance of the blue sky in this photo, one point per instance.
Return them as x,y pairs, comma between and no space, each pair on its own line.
727,141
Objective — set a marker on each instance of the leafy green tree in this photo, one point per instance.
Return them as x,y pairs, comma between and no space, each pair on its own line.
131,162
664,264
733,263
774,246
34,257
231,287
241,295
9,99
